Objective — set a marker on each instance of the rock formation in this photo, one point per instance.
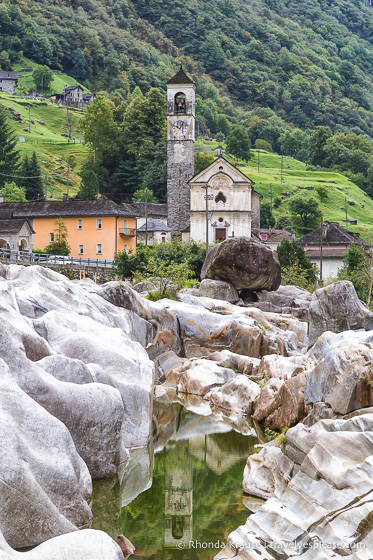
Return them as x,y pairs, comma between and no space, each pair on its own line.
337,308
243,263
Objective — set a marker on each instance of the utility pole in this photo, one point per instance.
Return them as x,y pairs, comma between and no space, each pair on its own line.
258,161
282,167
346,212
271,193
42,80
321,245
207,220
68,178
68,123
146,216
29,118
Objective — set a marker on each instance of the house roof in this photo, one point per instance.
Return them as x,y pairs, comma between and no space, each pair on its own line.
277,235
254,192
8,75
68,208
154,225
13,225
154,209
71,88
327,252
180,78
333,234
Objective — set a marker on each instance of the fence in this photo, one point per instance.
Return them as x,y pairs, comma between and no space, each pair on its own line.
25,258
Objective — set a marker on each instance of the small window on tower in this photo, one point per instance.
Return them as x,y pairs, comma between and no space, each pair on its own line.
180,103
220,198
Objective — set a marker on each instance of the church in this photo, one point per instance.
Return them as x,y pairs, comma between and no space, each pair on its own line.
217,203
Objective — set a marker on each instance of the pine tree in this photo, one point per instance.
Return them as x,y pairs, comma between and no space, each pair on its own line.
34,183
9,155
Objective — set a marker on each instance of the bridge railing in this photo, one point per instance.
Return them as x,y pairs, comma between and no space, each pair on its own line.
26,258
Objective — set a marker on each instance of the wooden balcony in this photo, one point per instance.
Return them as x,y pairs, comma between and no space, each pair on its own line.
127,232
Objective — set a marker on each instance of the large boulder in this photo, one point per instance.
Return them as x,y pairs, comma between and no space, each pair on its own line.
342,374
244,263
337,308
216,289
81,545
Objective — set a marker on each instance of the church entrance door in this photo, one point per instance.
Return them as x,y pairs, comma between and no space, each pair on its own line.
220,234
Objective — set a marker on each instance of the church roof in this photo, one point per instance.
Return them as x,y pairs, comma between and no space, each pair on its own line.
180,78
216,163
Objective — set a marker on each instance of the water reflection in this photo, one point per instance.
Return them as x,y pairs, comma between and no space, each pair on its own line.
192,494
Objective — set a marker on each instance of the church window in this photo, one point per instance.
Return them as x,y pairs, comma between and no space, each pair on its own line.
180,103
220,198
220,168
221,220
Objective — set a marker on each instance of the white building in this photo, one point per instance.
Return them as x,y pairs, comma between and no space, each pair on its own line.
233,205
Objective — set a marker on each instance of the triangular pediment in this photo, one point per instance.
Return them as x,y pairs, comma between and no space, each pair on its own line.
220,165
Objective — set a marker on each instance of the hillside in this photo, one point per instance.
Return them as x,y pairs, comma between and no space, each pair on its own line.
310,62
296,180
48,139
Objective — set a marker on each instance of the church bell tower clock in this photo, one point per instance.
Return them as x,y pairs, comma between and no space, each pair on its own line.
180,149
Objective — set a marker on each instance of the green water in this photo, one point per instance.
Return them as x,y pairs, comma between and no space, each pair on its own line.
183,498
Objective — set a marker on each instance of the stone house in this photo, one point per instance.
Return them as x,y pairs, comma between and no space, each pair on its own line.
335,242
8,82
16,234
95,228
158,232
233,204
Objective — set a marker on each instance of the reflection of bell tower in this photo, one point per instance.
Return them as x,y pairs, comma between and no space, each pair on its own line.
178,496
180,149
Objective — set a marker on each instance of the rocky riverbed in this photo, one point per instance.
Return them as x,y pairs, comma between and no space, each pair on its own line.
79,365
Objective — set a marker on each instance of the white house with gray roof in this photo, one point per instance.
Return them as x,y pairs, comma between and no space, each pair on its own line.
157,232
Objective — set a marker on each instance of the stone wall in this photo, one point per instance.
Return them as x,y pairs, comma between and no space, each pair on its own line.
8,85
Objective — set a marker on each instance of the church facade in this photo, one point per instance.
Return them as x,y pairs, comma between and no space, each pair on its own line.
230,205
233,207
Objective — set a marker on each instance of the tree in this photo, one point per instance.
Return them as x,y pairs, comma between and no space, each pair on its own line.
33,180
202,160
219,137
293,258
89,186
42,77
283,222
266,216
140,196
357,268
322,192
263,145
306,214
100,131
238,143
12,193
9,155
59,246
168,276
316,144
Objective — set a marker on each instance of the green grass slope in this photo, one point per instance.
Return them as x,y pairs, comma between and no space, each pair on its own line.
298,181
26,82
49,122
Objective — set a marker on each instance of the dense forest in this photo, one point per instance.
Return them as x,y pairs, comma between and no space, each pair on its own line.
310,62
279,68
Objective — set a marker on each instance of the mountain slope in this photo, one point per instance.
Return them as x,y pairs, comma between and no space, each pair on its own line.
311,62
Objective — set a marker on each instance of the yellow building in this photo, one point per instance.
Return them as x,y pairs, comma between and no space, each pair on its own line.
96,228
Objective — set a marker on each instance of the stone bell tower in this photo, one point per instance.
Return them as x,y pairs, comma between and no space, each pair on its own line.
180,149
